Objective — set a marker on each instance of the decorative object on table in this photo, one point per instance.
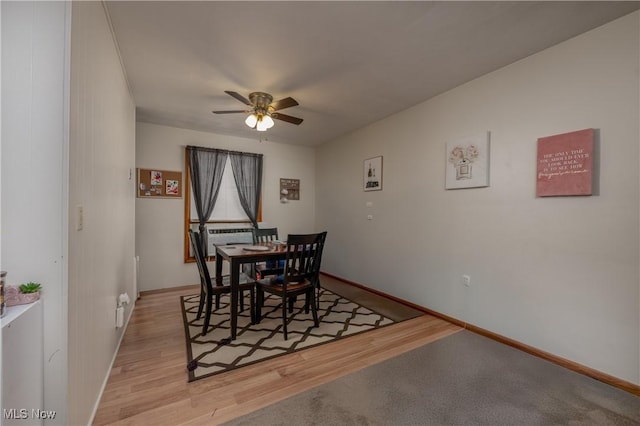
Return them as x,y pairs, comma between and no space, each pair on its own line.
373,174
565,164
256,248
3,276
159,184
23,294
468,162
289,189
214,354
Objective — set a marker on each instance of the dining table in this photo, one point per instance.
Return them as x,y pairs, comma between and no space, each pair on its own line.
238,255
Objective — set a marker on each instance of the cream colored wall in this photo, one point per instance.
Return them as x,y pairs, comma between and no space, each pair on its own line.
34,146
101,158
561,273
160,222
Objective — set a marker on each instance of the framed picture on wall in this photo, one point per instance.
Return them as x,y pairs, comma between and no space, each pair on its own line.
468,162
373,174
565,164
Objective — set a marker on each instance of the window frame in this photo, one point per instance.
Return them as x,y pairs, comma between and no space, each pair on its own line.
188,223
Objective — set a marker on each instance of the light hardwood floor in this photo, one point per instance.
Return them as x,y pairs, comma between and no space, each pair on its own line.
148,382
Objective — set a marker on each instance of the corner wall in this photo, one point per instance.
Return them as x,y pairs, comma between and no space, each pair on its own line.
160,222
102,181
559,274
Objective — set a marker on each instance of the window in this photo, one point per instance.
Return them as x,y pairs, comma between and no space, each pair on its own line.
228,208
228,211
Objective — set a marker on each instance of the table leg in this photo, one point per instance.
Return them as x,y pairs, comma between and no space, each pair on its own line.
234,283
218,269
219,261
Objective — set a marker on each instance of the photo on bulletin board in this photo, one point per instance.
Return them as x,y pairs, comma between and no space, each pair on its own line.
156,183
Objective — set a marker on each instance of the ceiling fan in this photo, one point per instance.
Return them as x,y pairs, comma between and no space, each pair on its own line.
262,110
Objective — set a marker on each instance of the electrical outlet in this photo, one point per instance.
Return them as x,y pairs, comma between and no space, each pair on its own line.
466,280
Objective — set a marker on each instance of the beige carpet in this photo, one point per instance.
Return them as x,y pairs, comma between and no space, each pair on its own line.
213,354
462,379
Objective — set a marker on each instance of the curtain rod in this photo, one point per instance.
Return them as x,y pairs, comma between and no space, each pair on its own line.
204,148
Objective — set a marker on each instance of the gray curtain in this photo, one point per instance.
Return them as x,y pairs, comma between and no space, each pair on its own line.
207,167
247,172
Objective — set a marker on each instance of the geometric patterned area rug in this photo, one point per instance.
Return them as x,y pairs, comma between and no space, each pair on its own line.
213,354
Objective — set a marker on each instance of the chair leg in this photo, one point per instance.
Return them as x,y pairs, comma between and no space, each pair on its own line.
314,311
307,300
207,313
292,300
284,316
259,303
201,304
252,305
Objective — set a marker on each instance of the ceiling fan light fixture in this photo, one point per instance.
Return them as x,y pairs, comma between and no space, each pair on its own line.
261,109
268,121
251,120
262,125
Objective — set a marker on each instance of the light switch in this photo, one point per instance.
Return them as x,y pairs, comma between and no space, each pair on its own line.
369,203
369,217
79,218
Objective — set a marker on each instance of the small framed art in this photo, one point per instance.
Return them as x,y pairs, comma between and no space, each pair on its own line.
373,174
468,162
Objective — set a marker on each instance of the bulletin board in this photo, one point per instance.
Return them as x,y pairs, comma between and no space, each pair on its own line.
156,183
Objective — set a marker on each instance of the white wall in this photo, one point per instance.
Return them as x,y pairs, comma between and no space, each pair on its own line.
560,274
102,181
160,222
35,60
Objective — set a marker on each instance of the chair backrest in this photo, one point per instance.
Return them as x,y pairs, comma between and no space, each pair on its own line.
303,257
196,246
264,235
317,260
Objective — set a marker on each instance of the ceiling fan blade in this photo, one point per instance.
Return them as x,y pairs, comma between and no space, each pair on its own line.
287,118
238,96
283,103
229,112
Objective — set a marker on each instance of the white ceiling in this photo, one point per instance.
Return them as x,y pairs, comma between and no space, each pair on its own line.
348,64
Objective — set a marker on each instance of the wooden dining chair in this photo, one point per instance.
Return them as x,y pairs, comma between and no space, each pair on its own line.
302,252
270,267
208,289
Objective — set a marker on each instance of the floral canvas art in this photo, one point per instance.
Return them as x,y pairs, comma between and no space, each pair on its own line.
468,162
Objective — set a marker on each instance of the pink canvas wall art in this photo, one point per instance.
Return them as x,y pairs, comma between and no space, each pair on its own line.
565,164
